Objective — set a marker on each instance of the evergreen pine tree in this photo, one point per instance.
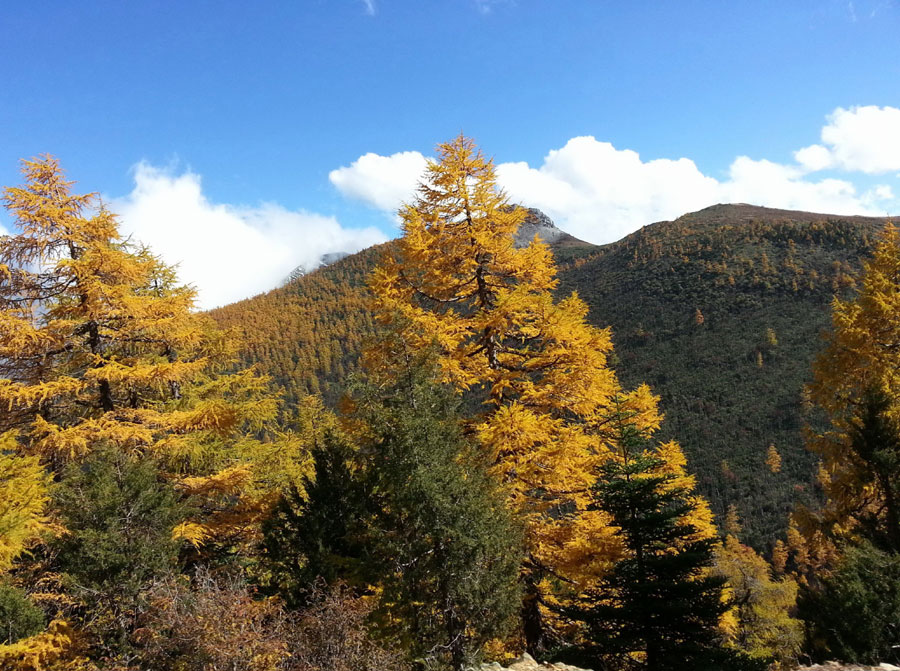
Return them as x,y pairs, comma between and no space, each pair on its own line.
658,609
318,530
854,615
119,518
449,551
19,616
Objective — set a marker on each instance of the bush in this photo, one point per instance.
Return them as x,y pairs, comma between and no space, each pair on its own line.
855,615
19,616
219,623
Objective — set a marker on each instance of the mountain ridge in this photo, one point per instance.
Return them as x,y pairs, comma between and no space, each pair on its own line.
755,275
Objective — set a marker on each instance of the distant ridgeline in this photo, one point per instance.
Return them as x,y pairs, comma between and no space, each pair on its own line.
720,311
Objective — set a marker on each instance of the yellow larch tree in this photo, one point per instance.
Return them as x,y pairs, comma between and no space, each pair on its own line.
773,459
759,622
857,383
457,280
99,344
23,500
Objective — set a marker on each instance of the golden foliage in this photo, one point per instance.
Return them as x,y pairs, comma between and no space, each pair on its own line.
100,345
732,525
457,281
56,649
861,359
308,333
23,498
760,620
773,459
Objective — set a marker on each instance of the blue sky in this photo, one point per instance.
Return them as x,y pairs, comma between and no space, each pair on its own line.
250,123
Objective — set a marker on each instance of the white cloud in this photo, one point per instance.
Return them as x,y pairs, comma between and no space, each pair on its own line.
369,6
487,6
600,193
864,139
814,158
384,182
227,252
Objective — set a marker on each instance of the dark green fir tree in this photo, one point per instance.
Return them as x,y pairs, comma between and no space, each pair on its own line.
854,613
319,532
19,616
658,609
119,514
448,547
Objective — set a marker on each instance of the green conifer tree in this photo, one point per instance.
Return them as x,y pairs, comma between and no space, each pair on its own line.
119,517
659,608
854,615
318,531
449,551
19,616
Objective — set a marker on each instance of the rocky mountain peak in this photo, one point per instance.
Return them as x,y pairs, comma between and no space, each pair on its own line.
324,260
538,223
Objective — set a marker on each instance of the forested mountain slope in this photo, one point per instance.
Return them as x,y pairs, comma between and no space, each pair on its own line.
720,311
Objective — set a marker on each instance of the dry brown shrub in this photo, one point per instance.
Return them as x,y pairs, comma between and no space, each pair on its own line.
217,623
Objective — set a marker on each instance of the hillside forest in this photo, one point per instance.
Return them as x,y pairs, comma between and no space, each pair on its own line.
677,451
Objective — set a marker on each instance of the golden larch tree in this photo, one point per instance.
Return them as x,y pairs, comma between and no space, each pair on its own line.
457,280
23,499
99,344
773,459
857,383
760,621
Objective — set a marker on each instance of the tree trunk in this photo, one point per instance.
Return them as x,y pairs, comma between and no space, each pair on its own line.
532,620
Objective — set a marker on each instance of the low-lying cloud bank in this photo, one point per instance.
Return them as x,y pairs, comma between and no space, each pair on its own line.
600,193
227,252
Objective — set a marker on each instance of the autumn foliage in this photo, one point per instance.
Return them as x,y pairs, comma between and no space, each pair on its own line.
99,344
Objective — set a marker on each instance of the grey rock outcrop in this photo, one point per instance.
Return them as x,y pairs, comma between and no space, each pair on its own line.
527,663
538,223
837,666
324,260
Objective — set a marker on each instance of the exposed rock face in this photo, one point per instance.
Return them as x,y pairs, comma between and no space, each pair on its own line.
837,666
324,260
526,663
538,223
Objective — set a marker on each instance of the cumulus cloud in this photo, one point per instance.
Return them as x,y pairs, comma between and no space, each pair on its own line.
600,193
384,182
227,252
864,139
